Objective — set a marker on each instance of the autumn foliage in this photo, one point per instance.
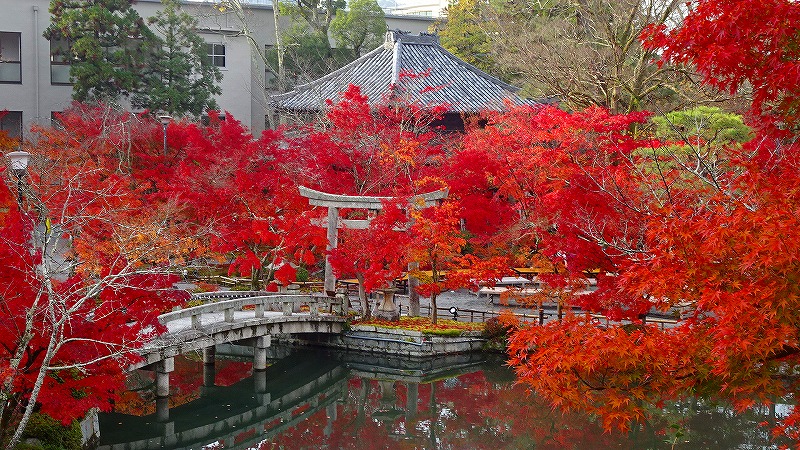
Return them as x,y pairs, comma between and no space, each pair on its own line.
684,224
84,279
708,234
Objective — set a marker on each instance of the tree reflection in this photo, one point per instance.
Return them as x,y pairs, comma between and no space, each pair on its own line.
486,410
372,407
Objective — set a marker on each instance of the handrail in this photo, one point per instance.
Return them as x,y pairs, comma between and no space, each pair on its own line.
230,294
473,313
238,300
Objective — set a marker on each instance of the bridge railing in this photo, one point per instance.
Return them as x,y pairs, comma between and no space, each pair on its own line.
229,302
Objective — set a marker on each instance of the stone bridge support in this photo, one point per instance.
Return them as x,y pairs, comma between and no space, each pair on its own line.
412,397
209,368
260,352
162,369
260,385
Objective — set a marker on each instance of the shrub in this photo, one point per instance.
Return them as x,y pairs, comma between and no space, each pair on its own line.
301,275
496,334
44,432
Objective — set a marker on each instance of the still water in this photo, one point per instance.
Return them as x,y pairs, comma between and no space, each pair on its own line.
313,399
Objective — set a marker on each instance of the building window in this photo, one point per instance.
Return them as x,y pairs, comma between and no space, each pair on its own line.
10,62
206,121
216,54
55,119
60,61
11,123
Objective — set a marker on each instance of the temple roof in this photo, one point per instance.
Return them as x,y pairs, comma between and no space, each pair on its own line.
449,81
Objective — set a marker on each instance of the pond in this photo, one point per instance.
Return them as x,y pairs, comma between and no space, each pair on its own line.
311,399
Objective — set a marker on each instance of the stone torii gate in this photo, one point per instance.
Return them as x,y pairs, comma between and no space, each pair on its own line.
334,202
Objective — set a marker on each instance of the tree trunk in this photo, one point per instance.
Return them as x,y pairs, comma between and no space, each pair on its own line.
37,386
255,279
433,308
362,297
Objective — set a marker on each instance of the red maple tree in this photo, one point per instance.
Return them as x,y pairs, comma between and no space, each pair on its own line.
713,238
86,271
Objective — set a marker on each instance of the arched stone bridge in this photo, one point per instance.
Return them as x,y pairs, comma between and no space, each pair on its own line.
249,318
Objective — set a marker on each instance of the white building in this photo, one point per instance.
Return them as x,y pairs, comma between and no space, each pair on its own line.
424,8
34,85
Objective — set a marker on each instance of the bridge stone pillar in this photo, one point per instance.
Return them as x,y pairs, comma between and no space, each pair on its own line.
209,354
170,438
260,387
412,397
209,380
294,289
331,413
163,369
209,369
260,352
162,409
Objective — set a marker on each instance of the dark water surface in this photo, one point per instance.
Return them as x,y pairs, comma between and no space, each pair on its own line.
313,399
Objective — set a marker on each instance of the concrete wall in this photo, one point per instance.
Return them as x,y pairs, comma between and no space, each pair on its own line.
243,77
403,343
36,97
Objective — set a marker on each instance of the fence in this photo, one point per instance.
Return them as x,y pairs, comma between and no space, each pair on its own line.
472,315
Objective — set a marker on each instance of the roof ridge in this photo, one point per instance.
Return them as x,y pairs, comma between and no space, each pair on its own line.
400,36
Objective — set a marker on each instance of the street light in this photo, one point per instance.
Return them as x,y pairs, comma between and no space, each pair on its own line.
19,166
454,311
165,120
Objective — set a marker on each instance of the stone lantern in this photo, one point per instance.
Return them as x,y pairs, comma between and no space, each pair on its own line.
387,309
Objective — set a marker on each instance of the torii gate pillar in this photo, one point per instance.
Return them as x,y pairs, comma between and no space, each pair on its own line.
333,242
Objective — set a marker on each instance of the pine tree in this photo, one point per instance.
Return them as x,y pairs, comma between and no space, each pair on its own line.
180,79
109,43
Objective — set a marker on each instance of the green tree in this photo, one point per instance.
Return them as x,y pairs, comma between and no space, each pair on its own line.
699,142
466,32
359,28
307,55
179,79
316,14
582,52
703,125
109,43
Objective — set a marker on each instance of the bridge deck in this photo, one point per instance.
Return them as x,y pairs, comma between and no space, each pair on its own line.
242,316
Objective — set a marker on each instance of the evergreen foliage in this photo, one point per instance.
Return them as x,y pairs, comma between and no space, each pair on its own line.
46,433
115,55
308,55
179,78
109,44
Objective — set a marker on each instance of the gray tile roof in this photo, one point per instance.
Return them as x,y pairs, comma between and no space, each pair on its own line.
450,81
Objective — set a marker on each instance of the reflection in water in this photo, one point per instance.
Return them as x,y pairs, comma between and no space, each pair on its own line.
311,400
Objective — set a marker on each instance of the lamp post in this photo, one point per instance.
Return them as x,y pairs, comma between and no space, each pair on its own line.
165,120
19,166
